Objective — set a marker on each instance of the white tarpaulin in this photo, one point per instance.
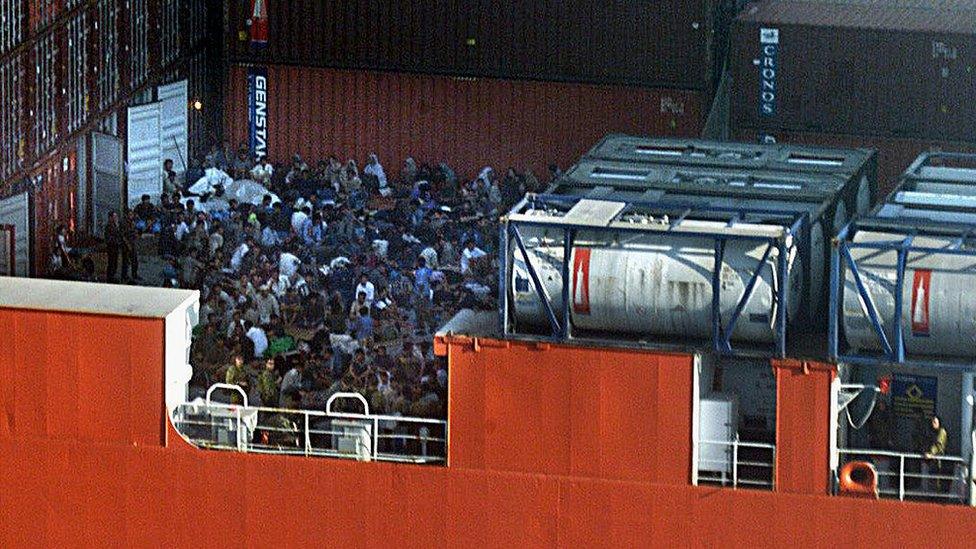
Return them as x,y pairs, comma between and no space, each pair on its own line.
211,179
244,191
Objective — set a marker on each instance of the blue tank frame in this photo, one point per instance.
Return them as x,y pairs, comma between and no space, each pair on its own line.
908,229
795,224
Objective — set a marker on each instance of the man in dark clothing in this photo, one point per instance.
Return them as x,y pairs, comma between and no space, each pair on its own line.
146,213
130,258
114,241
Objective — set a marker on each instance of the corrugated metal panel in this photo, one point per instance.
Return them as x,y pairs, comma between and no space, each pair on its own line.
44,111
633,42
108,59
15,212
174,102
13,19
196,11
143,152
43,13
55,192
12,135
77,71
170,27
138,45
835,75
469,123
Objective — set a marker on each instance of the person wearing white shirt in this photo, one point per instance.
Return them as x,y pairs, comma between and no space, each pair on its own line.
374,168
430,257
288,264
238,257
258,337
298,220
471,252
181,230
262,172
366,287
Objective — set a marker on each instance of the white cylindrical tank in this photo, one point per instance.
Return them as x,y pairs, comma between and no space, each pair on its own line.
652,285
939,305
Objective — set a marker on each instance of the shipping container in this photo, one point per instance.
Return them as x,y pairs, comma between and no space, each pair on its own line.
919,241
469,123
672,43
13,138
894,154
902,70
92,347
54,188
13,19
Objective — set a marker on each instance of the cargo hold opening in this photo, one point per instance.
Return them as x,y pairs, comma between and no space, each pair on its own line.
736,423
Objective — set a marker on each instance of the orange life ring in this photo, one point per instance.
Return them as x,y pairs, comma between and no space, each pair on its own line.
859,479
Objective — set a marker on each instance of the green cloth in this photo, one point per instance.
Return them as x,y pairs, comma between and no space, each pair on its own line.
279,346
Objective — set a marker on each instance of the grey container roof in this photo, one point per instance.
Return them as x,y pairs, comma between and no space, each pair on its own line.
939,16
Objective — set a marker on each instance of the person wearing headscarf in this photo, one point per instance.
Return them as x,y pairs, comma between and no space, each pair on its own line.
351,182
375,169
409,172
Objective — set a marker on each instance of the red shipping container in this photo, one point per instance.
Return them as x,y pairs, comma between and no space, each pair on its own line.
469,123
894,154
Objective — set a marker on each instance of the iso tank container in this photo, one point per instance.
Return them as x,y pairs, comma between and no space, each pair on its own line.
898,69
659,283
824,200
468,123
680,275
669,43
901,281
857,166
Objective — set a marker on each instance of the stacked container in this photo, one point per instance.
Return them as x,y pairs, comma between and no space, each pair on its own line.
894,76
505,83
672,43
709,248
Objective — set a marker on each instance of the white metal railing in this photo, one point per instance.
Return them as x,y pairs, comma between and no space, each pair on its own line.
365,437
906,476
736,464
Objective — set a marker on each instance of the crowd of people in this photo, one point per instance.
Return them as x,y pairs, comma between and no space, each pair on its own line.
333,279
